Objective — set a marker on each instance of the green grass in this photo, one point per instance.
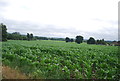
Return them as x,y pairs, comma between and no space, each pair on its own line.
61,60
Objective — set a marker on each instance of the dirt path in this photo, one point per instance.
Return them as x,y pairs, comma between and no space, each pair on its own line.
9,73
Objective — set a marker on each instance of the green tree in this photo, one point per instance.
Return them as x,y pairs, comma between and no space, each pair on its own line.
97,41
91,40
16,36
28,36
71,40
9,36
67,39
102,42
24,37
79,39
31,36
3,31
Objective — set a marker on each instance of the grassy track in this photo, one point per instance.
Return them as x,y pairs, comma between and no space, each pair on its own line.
57,59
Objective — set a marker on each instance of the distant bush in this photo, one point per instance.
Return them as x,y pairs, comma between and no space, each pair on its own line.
91,40
79,39
101,42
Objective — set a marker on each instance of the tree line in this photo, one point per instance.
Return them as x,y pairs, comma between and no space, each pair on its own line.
29,37
4,35
79,39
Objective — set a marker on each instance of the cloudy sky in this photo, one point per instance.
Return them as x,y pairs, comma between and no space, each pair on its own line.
62,18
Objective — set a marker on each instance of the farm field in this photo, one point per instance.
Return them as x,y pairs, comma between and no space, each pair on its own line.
46,59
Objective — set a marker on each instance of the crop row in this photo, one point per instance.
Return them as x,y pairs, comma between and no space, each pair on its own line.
62,62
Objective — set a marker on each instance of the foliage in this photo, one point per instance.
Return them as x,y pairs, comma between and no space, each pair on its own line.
101,42
28,36
67,39
31,36
3,31
16,36
91,40
79,39
60,60
71,40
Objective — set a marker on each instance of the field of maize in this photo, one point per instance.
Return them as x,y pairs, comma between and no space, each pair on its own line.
47,59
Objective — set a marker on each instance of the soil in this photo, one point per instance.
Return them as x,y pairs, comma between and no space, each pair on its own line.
9,73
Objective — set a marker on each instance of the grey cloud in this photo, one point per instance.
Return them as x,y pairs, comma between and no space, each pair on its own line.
28,26
55,31
3,4
112,22
106,33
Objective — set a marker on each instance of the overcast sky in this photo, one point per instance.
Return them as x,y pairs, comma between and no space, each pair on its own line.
62,18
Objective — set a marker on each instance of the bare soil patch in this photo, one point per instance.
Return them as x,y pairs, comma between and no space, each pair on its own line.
9,73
